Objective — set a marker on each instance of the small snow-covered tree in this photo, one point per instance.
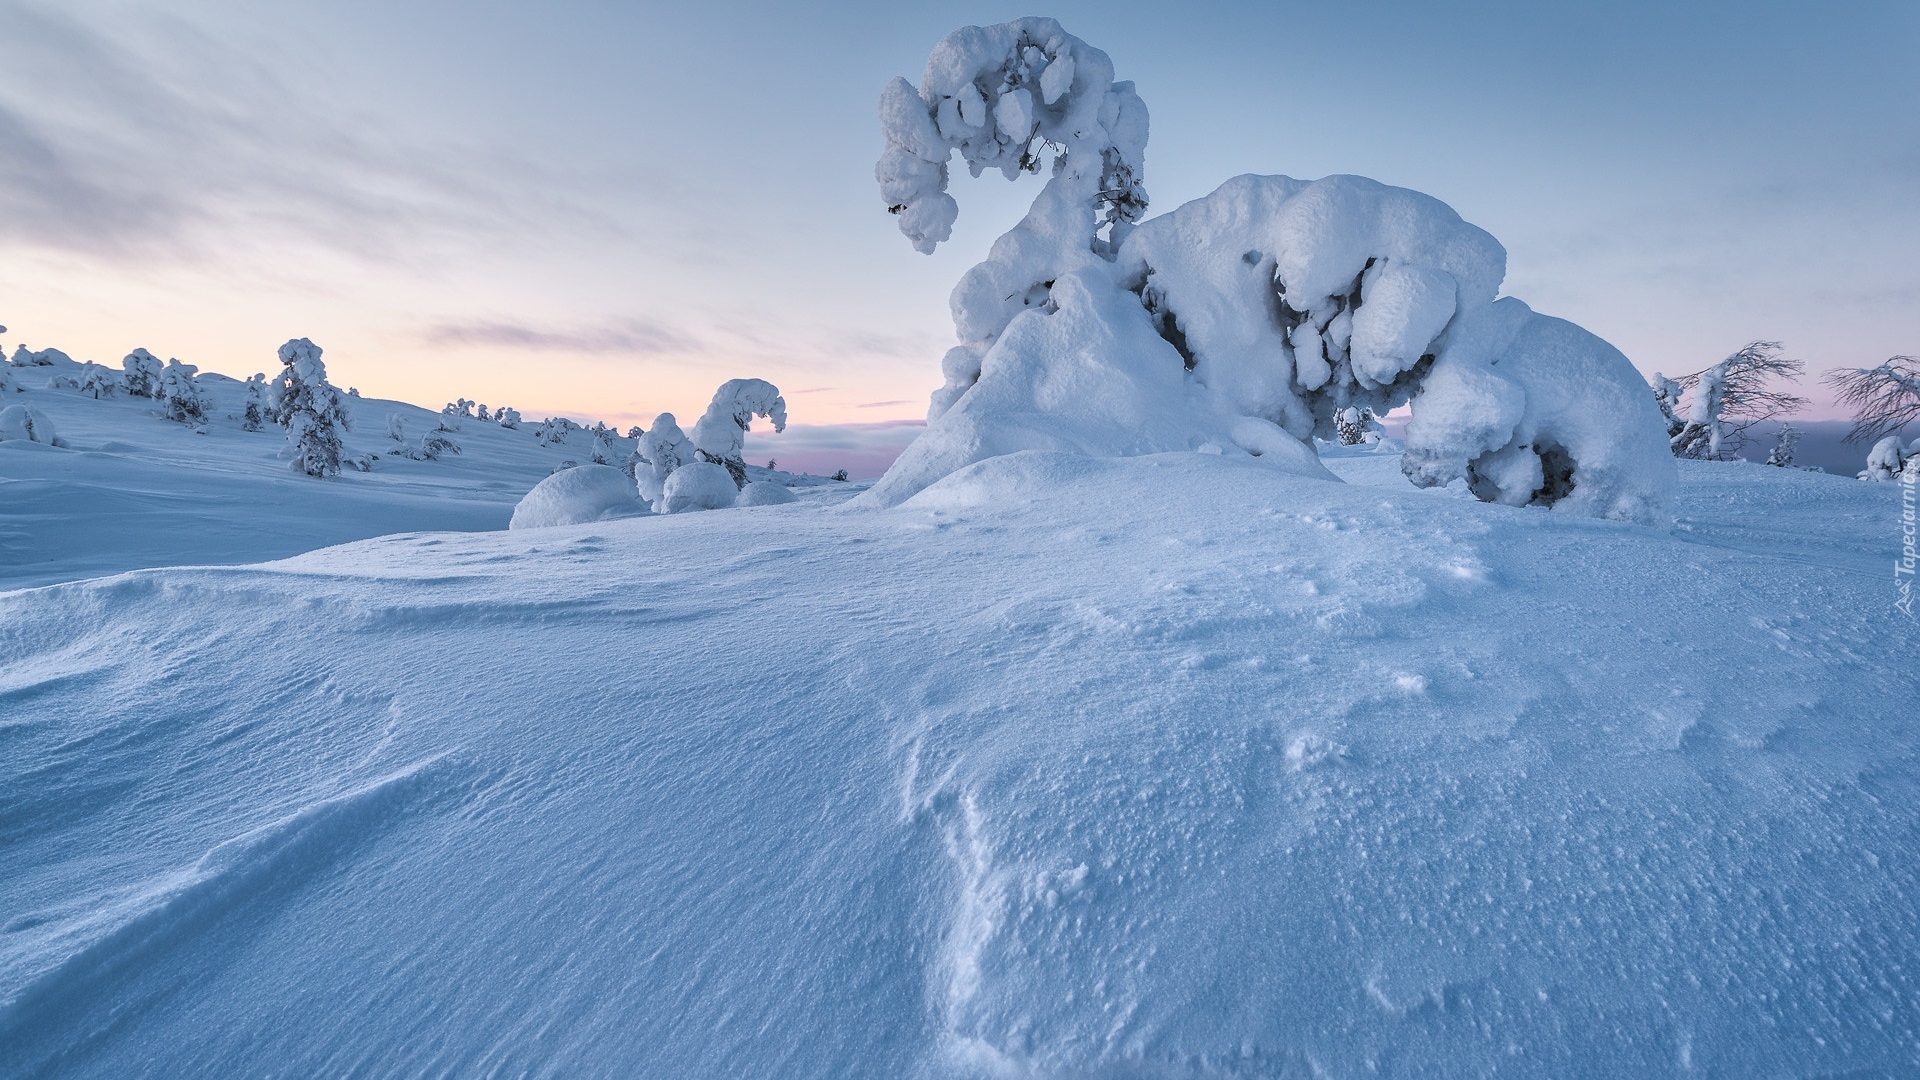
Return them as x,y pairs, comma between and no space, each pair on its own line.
720,435
142,376
98,380
255,415
481,413
662,450
1732,396
28,424
1786,440
602,452
635,431
1883,399
1667,393
1356,426
433,446
25,357
507,417
1889,458
179,393
311,409
396,427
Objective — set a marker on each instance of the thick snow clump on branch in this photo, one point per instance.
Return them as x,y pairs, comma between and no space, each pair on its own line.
576,496
1247,321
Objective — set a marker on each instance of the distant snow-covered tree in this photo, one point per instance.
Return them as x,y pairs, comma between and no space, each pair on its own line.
1785,441
25,357
433,446
840,475
255,416
635,432
481,413
507,417
720,435
1883,399
396,427
603,452
1732,396
142,376
179,393
98,380
311,409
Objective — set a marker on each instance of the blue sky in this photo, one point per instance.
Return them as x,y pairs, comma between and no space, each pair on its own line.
605,209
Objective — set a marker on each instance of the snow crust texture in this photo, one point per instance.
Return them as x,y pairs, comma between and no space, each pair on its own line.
1272,304
1335,779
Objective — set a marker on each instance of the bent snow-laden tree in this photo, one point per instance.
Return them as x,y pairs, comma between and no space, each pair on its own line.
143,371
1247,321
1730,397
720,436
310,408
1882,399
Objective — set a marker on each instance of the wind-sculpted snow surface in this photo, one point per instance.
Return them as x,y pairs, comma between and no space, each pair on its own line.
1276,301
1329,779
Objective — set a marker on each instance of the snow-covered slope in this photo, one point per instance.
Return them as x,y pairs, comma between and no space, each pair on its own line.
1171,766
132,489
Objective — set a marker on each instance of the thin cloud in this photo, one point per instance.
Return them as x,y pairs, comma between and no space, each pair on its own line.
629,336
880,404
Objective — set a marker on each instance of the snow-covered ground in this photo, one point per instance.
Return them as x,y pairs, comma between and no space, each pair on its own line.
1169,766
135,490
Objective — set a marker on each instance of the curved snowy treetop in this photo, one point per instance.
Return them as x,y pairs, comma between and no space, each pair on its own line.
1002,96
721,433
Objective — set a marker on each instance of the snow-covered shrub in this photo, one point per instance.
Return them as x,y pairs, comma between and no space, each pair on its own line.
1883,399
635,432
1735,389
1667,394
661,450
697,485
1245,321
461,409
1889,458
574,496
29,424
6,379
433,446
480,413
720,435
310,408
553,430
764,493
1785,442
143,370
507,417
840,476
397,427
25,357
179,393
98,380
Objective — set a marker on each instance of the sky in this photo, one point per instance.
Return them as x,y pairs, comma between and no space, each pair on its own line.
604,210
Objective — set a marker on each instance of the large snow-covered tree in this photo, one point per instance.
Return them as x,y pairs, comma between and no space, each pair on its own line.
720,435
1883,399
98,380
311,409
1247,321
662,449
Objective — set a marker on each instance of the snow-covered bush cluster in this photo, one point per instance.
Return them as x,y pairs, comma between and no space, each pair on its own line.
28,425
1890,457
1247,321
669,472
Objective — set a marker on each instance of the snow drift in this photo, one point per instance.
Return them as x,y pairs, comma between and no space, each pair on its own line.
577,495
1270,306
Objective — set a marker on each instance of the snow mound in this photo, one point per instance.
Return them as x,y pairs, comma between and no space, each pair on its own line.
27,424
765,493
697,485
1270,306
578,495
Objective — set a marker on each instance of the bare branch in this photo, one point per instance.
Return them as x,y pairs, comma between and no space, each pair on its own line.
1882,399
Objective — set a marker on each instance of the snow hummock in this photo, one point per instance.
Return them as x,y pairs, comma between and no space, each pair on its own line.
697,485
765,493
574,496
